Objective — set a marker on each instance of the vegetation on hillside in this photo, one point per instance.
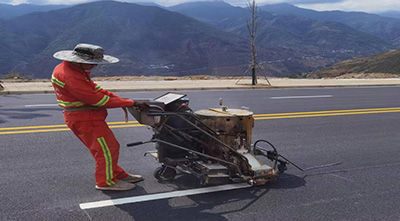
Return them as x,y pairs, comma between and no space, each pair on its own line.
203,38
383,65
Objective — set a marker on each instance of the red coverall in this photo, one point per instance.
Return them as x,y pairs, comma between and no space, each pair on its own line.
74,89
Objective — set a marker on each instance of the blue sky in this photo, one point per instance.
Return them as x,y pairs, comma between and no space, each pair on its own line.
320,5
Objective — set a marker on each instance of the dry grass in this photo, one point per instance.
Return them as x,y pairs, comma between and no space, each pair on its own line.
367,76
159,78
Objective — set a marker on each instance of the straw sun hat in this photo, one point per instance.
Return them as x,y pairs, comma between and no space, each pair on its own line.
86,54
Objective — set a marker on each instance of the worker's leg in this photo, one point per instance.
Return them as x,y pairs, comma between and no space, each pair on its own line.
97,136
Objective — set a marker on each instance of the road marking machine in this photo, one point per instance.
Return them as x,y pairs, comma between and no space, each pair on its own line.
215,145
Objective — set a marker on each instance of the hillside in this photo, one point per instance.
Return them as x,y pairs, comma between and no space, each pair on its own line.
211,12
148,41
385,64
308,42
13,11
390,14
382,27
197,38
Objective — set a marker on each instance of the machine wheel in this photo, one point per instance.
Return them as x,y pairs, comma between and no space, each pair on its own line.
164,173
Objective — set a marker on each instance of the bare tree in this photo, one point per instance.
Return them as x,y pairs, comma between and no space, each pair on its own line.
252,28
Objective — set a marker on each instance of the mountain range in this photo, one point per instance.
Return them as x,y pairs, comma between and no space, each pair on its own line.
390,14
147,40
384,63
190,38
309,36
382,27
13,11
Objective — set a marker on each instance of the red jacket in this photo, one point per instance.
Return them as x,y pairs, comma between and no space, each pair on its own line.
74,89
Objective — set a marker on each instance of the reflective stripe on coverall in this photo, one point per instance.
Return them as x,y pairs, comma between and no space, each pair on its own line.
74,89
99,139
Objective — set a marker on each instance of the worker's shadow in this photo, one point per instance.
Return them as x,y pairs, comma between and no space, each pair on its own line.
208,206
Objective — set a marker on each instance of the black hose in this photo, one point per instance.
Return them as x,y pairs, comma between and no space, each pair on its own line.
273,155
255,144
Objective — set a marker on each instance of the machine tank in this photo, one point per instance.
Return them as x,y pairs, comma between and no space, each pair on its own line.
234,126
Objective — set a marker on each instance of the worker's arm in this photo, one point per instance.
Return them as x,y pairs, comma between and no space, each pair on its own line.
101,90
84,91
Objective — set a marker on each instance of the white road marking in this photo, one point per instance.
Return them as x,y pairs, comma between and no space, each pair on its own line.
302,97
157,196
41,105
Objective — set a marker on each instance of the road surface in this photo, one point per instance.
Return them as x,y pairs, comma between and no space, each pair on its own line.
47,174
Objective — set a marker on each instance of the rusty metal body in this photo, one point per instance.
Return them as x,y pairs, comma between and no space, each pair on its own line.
234,126
214,144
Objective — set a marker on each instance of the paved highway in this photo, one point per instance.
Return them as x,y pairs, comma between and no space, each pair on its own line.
47,174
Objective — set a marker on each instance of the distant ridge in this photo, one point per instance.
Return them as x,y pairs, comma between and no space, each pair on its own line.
382,27
13,11
314,42
196,38
387,63
391,14
148,41
149,4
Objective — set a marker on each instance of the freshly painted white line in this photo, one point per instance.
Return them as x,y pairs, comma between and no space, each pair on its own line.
41,105
158,196
297,97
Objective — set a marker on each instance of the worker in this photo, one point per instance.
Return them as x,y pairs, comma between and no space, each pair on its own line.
85,104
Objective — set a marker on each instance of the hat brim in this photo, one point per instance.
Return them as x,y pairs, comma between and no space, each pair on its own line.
67,55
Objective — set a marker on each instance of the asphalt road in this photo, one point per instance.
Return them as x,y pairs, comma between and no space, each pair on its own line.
47,173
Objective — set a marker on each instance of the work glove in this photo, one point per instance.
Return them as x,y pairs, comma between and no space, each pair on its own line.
139,103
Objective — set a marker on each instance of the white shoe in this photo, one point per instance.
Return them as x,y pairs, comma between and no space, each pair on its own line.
132,178
118,186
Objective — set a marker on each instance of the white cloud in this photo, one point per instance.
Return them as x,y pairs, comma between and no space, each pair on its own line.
355,5
67,2
312,1
15,2
321,5
5,1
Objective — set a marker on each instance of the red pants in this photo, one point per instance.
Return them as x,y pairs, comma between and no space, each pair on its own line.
100,140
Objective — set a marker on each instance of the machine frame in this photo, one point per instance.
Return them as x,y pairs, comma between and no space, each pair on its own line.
184,143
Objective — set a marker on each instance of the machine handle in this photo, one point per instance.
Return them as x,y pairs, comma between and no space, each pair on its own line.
152,106
139,143
135,144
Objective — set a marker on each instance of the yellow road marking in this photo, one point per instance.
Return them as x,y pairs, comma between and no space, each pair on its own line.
33,131
32,127
123,122
322,112
121,126
63,129
327,114
55,128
